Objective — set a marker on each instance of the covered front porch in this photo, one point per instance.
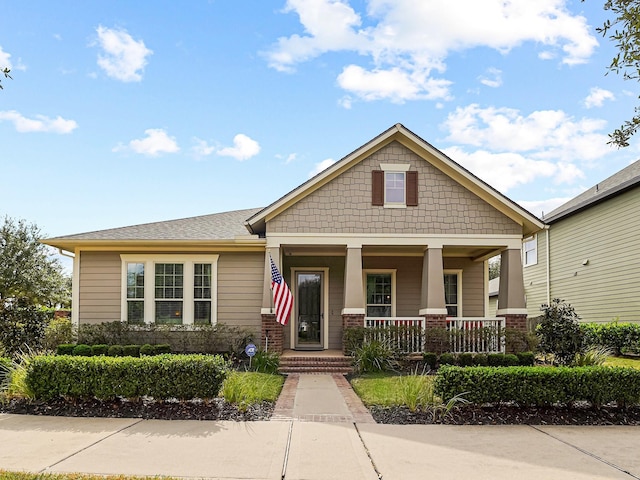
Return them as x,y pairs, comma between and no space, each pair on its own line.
416,289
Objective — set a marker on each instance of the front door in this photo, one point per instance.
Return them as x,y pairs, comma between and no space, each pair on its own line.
309,311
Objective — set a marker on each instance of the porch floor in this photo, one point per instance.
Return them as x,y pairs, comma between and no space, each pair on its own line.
312,353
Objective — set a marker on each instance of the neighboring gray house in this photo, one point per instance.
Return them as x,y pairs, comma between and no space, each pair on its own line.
394,233
589,253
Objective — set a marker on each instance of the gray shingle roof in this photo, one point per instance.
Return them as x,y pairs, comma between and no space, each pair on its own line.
218,226
619,182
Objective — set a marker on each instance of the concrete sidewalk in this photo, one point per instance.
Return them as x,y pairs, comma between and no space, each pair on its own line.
315,438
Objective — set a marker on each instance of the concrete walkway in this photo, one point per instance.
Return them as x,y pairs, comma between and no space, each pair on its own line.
320,434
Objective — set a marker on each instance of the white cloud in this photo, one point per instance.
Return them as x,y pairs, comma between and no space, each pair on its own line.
5,59
545,134
597,96
243,148
407,40
493,78
40,123
319,167
123,58
288,158
543,207
202,148
155,143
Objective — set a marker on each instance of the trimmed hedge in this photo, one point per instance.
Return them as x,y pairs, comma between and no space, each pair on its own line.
614,335
161,377
65,349
540,385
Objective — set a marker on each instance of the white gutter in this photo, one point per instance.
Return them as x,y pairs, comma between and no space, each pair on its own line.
66,254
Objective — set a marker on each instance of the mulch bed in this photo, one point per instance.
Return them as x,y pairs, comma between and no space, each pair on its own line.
218,409
512,415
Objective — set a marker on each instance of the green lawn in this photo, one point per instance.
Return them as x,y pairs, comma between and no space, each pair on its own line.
623,362
245,388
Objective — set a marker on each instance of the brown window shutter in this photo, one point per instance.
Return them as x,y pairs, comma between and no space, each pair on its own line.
412,188
377,190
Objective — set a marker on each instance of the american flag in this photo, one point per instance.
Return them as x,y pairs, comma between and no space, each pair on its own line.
282,297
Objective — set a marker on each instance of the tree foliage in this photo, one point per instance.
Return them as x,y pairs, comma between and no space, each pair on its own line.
559,332
27,270
624,31
4,71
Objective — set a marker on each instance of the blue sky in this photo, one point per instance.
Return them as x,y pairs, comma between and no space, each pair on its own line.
125,112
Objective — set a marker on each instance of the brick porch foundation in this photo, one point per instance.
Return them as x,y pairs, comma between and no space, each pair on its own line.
272,330
350,321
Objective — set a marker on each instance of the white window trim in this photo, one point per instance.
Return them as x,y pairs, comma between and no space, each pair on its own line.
394,168
534,239
366,272
149,284
458,273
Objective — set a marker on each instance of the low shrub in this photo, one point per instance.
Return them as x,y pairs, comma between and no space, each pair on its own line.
82,350
595,355
59,331
161,377
448,359
22,326
481,359
430,359
99,349
5,367
374,356
162,348
465,359
540,386
147,350
559,332
65,349
115,351
131,350
502,360
526,359
619,337
265,362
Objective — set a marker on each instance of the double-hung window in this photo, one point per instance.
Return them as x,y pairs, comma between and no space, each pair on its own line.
395,186
380,293
169,289
530,251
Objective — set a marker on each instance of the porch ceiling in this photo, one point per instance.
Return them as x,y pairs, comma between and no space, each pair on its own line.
473,252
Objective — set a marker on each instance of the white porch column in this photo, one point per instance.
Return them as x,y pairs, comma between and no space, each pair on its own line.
353,287
432,300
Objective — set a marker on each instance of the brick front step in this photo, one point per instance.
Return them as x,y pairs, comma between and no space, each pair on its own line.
301,364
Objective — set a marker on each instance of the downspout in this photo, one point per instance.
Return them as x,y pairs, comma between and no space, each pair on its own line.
546,228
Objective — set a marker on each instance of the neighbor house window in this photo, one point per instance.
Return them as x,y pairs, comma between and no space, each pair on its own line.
452,293
169,289
530,251
380,293
135,293
394,186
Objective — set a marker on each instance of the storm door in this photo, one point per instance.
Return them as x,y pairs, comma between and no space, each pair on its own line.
309,313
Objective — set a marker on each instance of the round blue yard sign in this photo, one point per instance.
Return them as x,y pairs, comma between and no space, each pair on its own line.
250,350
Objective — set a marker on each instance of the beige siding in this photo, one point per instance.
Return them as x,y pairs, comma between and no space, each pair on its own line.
535,279
240,277
473,287
344,204
99,287
606,235
240,282
493,306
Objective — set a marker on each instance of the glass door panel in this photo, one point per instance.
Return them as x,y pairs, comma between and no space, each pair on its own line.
309,315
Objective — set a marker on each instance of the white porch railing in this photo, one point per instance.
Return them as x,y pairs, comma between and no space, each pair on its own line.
408,337
466,334
476,334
